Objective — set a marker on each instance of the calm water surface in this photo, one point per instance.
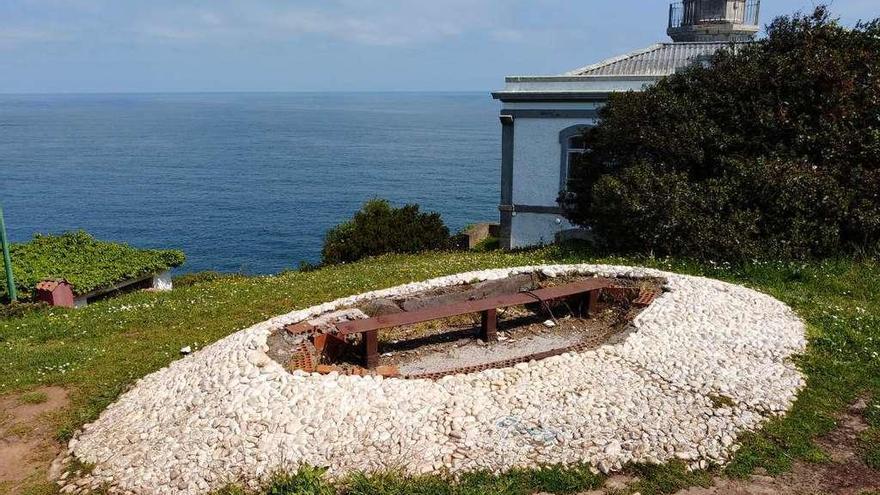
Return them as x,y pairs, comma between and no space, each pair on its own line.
241,182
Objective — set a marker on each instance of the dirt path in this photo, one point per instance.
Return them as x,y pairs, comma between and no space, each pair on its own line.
844,474
27,443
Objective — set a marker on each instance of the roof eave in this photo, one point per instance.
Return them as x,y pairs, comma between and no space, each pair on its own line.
586,96
584,78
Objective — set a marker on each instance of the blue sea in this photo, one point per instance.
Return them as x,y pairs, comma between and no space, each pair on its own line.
241,182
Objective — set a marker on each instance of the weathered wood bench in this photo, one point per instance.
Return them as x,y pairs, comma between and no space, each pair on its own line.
586,291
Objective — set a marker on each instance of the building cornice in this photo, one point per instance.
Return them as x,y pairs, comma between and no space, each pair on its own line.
578,79
512,96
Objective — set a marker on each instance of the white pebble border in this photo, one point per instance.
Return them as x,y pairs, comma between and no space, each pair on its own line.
229,413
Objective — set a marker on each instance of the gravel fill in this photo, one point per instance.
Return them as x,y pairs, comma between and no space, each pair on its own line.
230,413
472,353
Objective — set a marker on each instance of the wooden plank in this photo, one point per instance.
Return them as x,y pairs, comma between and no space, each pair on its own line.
477,306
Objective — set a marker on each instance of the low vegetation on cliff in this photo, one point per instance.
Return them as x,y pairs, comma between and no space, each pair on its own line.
82,260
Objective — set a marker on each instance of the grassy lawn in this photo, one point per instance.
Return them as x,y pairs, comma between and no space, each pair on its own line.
99,351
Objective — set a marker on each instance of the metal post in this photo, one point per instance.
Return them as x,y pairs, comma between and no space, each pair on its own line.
370,349
7,260
489,325
591,303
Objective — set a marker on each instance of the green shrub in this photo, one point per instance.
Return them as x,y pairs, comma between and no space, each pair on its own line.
85,262
378,228
771,150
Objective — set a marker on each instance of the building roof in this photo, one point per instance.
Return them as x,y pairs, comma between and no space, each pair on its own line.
630,72
658,60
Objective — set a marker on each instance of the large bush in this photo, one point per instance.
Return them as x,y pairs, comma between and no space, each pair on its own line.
378,228
770,150
84,261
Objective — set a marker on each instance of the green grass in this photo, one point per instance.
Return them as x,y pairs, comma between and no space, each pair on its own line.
668,478
99,351
549,479
33,397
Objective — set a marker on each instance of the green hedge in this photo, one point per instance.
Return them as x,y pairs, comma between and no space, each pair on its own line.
378,228
770,151
85,262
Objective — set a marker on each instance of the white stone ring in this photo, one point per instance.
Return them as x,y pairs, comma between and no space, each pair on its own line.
706,361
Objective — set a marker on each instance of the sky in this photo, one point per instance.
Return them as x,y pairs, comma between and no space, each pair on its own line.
86,46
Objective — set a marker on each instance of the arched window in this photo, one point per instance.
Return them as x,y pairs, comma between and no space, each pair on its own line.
573,146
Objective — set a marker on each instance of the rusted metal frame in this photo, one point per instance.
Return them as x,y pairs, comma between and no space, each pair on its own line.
487,307
615,292
476,306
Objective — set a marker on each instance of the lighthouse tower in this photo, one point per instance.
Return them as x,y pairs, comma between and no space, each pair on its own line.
713,20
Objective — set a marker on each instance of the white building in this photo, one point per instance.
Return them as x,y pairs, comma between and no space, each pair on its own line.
543,117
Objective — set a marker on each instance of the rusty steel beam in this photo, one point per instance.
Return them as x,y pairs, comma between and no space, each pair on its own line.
592,300
370,348
489,325
477,306
488,308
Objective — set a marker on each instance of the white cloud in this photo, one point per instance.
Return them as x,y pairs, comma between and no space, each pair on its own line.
370,30
366,31
369,22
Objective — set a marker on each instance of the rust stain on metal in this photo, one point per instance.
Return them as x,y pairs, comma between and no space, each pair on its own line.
587,289
476,306
591,295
